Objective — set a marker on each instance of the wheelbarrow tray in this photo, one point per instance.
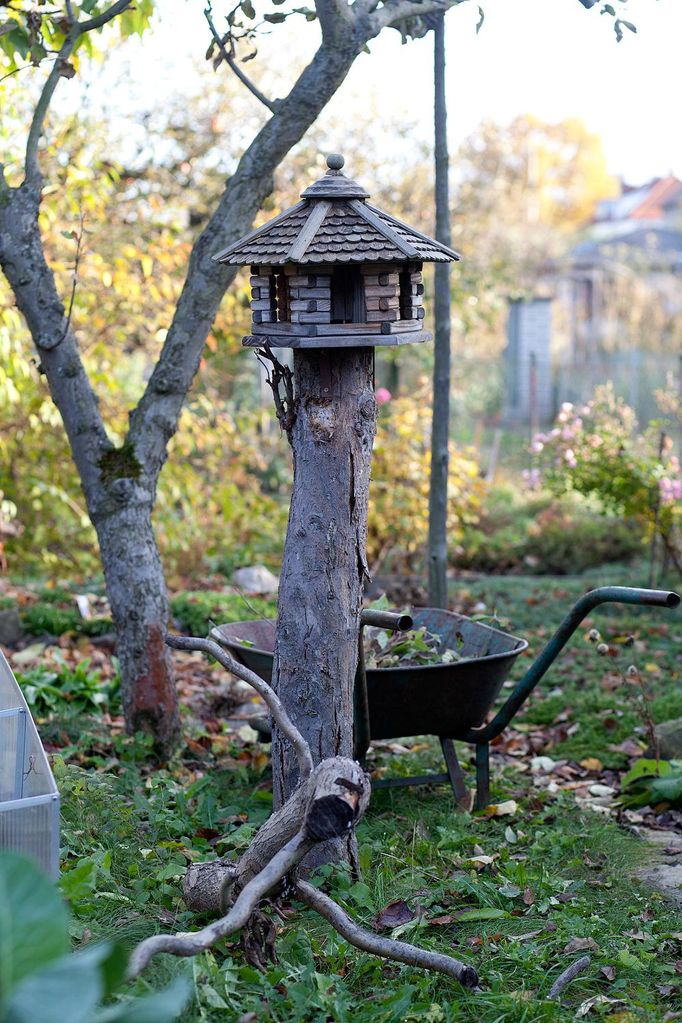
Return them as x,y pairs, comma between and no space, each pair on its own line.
436,699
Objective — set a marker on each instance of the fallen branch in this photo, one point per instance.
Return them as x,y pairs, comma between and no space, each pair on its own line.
567,976
386,948
185,944
284,722
330,799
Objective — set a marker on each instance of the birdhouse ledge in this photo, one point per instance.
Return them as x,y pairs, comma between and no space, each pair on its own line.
335,271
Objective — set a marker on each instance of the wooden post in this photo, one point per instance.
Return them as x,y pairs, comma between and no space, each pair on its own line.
440,429
324,563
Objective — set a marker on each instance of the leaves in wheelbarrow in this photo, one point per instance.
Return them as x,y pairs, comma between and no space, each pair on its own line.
406,649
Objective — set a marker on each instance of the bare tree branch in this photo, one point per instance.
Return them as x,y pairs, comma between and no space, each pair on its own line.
190,944
284,722
386,948
76,30
155,419
31,169
394,11
106,16
567,976
336,19
284,403
231,61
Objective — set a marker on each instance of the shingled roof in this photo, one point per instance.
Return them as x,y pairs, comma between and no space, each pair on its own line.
334,223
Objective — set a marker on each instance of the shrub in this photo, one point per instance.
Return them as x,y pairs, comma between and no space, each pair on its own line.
195,612
399,492
538,533
595,451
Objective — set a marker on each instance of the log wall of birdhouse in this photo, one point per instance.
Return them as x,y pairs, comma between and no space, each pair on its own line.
263,295
382,295
411,296
309,296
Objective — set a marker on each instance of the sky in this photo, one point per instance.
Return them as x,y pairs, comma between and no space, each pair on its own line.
550,58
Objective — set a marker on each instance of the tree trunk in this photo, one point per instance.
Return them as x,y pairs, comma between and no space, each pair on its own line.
440,429
139,606
324,564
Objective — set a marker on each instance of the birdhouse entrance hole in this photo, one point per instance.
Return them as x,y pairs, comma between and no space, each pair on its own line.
348,295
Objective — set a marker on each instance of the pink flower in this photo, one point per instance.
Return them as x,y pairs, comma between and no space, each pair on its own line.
532,478
666,489
571,460
536,447
382,395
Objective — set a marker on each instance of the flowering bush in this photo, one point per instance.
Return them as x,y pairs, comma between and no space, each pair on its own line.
596,451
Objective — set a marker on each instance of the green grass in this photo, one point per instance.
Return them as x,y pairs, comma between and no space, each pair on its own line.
128,833
130,830
605,710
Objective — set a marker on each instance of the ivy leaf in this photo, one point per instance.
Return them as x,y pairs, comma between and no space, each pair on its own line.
248,9
274,19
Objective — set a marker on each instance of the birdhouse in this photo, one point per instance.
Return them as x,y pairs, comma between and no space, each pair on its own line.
335,271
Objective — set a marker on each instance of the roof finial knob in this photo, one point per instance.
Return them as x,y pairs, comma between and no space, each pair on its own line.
335,161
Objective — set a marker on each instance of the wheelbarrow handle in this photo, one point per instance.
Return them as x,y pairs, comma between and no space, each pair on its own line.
397,622
580,610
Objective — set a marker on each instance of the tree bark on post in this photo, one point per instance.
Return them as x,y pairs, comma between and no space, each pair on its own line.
324,564
440,428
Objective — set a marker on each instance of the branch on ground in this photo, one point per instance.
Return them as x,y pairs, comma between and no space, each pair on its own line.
329,801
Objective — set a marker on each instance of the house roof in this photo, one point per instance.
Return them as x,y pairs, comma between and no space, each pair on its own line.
653,201
334,223
659,245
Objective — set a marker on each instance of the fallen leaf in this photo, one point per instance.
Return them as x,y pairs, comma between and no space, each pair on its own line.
592,764
481,914
394,915
505,809
525,937
510,891
482,861
608,971
440,921
581,945
602,790
596,1000
528,896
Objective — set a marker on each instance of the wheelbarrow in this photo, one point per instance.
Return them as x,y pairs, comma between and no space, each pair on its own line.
450,701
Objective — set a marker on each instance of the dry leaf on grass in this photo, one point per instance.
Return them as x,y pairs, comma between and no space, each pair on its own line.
394,915
581,945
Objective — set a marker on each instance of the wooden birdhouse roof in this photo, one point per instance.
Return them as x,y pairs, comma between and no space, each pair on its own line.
334,223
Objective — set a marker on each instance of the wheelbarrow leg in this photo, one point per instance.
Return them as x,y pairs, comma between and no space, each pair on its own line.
482,775
455,774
